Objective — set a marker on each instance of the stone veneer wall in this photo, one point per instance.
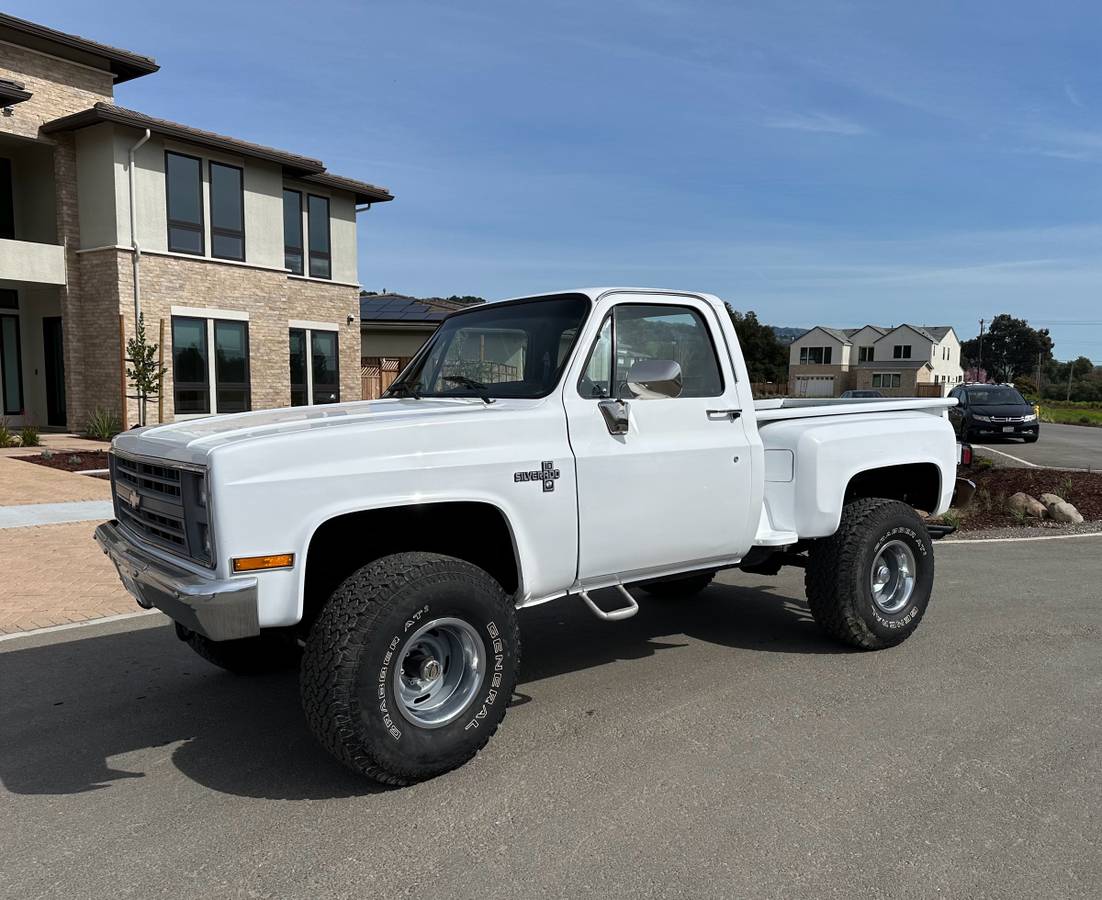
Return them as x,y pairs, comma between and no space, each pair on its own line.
270,298
59,88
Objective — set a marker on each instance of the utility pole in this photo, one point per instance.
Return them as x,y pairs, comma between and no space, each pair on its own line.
1071,368
980,364
1039,394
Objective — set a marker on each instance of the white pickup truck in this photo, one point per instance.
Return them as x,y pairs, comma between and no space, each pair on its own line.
535,449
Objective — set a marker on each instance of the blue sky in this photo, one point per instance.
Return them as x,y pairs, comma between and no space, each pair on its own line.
820,162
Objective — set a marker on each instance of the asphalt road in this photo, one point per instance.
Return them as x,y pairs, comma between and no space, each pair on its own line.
719,747
1059,446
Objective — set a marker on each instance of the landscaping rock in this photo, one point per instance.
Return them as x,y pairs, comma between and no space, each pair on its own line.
1065,512
1024,504
1050,500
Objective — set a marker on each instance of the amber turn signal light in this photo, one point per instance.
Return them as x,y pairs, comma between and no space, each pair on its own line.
256,563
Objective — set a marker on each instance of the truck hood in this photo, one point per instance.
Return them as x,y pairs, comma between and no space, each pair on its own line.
192,440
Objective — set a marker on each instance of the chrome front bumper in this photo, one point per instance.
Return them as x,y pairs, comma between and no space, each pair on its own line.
220,610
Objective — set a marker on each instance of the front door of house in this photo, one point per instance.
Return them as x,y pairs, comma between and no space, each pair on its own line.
54,365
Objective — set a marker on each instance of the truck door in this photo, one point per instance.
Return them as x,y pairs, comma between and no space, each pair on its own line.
672,490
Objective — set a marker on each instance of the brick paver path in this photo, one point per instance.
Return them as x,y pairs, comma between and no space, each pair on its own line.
54,574
24,482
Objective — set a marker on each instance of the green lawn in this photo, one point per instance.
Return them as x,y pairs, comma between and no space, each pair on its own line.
1072,413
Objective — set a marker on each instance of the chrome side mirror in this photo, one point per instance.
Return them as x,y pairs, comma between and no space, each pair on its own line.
654,379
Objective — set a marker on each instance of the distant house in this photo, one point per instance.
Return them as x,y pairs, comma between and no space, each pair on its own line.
392,329
905,361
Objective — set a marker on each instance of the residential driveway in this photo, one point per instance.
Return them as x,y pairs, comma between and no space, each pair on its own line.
1059,447
713,747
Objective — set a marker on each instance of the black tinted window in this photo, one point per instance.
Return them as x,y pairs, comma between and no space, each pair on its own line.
227,212
995,396
512,349
184,190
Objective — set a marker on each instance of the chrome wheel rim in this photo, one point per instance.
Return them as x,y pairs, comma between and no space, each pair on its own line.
893,577
438,672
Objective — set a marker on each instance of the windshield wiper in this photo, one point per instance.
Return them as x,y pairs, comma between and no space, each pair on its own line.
409,388
477,386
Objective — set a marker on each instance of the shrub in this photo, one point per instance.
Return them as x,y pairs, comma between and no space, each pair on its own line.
47,453
951,517
28,436
103,424
7,438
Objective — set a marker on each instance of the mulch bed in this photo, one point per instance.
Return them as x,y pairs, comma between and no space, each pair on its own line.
77,461
994,486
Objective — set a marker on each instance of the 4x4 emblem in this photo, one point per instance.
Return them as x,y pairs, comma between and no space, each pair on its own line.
547,473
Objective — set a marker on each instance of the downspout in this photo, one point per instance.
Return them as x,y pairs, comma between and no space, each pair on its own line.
136,256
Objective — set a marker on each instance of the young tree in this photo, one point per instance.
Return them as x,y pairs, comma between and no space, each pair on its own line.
144,371
1010,348
766,357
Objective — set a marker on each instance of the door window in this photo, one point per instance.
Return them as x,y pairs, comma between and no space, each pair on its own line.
633,333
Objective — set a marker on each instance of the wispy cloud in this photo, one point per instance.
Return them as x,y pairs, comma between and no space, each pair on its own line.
1073,97
822,123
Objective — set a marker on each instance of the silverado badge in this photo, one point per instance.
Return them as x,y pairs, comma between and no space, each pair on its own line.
547,473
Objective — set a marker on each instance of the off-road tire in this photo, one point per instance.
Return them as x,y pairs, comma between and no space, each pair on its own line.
675,588
259,655
838,575
347,677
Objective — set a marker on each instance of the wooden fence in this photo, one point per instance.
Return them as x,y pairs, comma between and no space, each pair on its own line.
378,372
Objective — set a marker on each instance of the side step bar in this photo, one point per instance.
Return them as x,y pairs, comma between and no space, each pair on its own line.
937,532
624,612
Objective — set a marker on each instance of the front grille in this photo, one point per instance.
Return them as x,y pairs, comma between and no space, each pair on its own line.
163,504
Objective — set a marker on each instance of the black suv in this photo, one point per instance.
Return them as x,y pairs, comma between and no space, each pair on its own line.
992,410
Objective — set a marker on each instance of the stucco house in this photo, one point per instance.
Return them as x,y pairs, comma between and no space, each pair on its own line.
901,361
240,257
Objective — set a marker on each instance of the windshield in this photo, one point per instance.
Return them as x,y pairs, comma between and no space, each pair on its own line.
499,350
995,396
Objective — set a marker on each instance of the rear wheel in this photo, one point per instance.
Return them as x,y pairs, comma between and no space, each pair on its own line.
410,666
673,588
869,583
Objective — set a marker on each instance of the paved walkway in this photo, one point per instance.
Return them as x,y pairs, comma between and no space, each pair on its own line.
55,574
54,513
23,482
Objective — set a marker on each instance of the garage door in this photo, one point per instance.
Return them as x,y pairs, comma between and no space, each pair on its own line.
815,385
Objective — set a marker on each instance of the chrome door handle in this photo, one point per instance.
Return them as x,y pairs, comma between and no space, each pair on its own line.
731,414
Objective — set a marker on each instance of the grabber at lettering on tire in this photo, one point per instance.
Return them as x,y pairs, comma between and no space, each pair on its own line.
869,584
409,668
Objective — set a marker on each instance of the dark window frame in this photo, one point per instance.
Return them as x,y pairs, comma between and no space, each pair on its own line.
248,364
18,367
225,232
613,387
902,351
327,255
301,248
313,392
191,385
7,192
304,386
199,228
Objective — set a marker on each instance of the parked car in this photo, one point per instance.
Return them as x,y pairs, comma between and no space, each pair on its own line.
535,450
993,411
861,395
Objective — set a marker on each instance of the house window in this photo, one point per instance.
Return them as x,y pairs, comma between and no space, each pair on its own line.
11,363
203,382
7,207
866,354
315,366
815,356
292,231
227,211
317,209
886,380
184,190
901,351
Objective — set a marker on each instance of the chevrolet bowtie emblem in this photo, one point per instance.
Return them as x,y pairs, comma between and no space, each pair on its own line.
547,473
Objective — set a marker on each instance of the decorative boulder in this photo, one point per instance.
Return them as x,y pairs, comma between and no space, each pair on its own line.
1065,512
1023,503
1050,500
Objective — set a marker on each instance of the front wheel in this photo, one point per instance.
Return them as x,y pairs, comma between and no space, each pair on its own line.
410,666
868,584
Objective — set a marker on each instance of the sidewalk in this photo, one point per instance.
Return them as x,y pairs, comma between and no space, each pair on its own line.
53,574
